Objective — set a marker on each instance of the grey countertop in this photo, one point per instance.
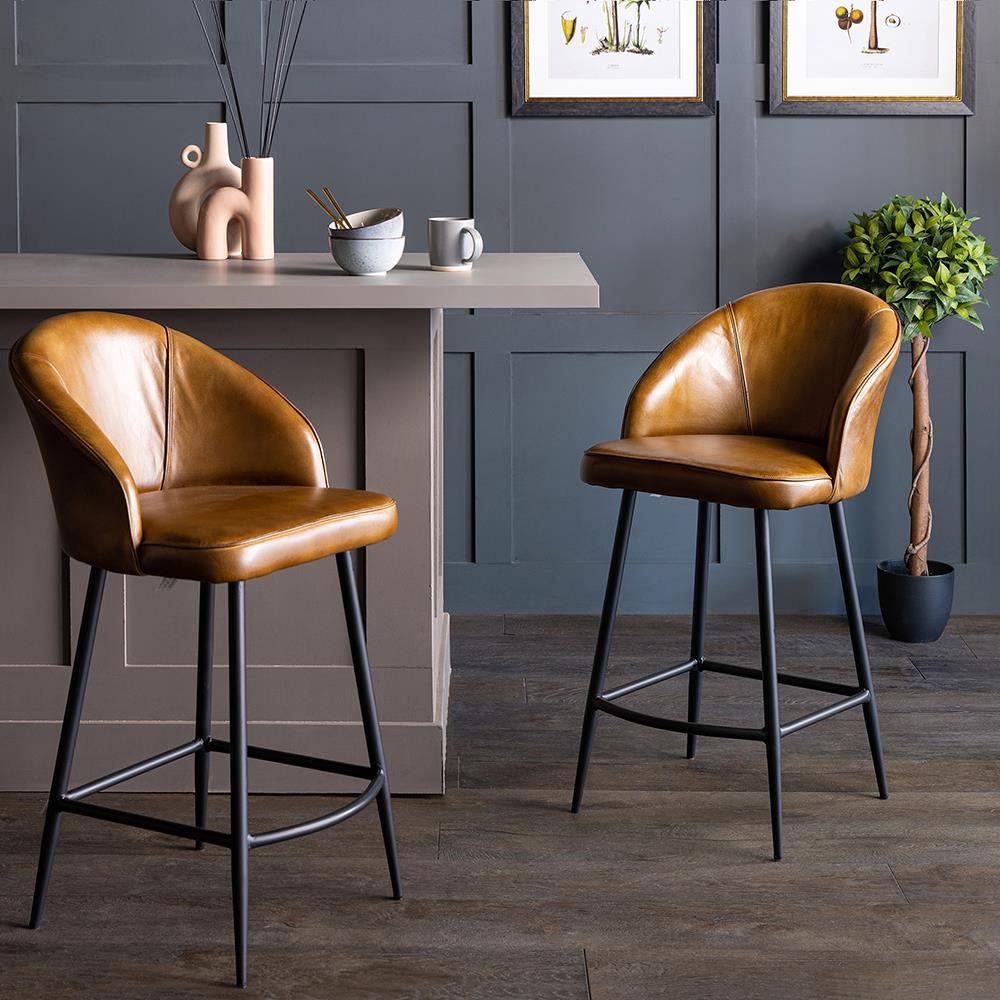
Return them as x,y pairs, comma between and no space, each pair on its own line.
290,281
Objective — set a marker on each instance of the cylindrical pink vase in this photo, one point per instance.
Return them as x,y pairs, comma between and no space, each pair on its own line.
251,205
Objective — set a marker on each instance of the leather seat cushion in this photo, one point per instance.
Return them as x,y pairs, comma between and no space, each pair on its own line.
222,534
741,470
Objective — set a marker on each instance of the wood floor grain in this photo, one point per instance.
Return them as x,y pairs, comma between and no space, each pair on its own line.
662,887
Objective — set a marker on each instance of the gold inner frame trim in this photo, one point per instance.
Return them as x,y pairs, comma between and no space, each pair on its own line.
697,99
827,99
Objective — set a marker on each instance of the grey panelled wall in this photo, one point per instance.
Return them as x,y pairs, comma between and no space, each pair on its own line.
404,102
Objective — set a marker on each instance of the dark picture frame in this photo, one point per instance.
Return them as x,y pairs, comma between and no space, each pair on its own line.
525,106
962,103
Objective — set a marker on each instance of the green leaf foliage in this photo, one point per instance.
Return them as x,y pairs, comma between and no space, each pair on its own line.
923,258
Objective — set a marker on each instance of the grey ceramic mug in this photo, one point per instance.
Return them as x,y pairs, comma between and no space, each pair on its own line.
454,243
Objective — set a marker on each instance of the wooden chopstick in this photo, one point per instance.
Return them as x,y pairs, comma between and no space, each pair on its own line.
336,205
312,194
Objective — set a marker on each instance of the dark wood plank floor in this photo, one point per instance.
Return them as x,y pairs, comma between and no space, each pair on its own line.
662,887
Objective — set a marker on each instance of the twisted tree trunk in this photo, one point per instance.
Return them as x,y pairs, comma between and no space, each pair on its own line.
921,444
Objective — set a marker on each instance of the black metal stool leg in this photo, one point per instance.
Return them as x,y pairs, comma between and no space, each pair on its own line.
67,740
858,642
203,706
604,636
239,823
369,713
698,609
769,668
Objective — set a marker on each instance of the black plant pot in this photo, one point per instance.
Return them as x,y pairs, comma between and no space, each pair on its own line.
915,608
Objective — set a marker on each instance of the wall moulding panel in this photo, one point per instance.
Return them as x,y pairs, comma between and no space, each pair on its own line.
110,33
718,208
387,32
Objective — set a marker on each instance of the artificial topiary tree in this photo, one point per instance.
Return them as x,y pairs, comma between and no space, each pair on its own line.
924,259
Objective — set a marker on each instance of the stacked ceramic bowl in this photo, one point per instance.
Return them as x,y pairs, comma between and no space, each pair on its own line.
374,243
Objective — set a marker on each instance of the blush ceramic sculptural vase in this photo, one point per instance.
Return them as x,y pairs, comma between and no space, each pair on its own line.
209,168
250,206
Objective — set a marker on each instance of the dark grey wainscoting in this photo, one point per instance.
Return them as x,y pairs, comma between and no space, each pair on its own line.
405,103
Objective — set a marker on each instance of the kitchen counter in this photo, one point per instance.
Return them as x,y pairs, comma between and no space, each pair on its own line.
363,357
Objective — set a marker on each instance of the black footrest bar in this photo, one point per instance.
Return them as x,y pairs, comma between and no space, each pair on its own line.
323,822
859,698
606,701
651,679
676,725
149,764
299,760
146,822
71,801
713,666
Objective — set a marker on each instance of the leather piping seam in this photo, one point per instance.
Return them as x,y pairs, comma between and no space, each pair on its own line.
88,450
876,370
711,471
271,534
168,389
739,361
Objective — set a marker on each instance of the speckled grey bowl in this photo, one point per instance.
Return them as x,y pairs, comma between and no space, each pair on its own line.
376,223
367,257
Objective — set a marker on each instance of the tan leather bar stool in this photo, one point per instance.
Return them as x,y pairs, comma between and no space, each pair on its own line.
166,458
771,403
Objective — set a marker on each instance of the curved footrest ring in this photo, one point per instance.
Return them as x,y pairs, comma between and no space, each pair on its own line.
323,822
72,801
606,702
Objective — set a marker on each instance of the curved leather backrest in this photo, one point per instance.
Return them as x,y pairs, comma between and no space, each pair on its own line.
806,363
123,406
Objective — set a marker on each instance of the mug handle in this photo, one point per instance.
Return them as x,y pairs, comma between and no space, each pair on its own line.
477,245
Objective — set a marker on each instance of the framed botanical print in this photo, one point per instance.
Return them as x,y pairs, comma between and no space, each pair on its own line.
872,57
613,58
